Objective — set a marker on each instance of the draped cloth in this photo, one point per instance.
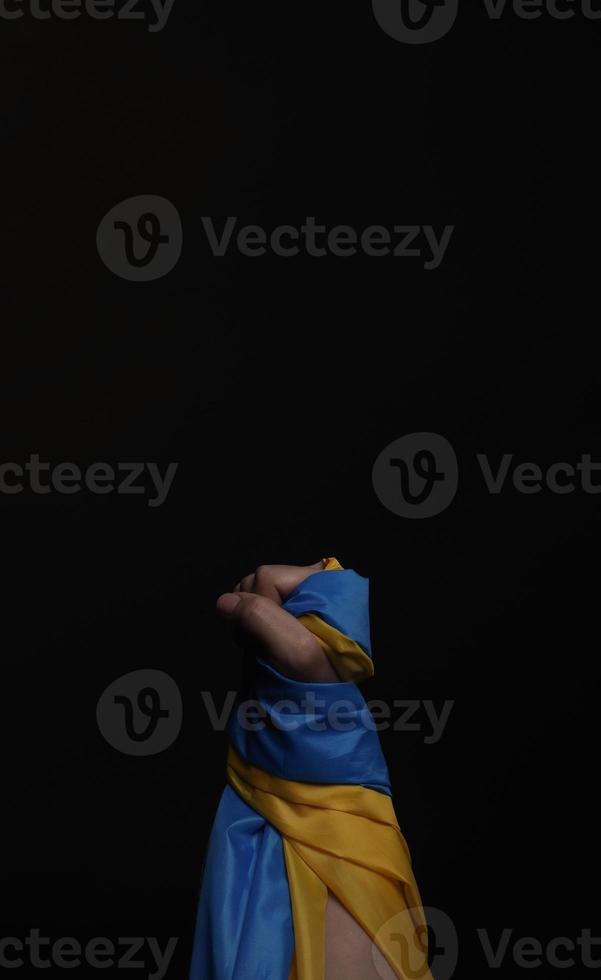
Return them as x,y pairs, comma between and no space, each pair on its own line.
307,810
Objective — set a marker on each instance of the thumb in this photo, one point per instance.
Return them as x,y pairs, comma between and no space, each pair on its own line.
286,642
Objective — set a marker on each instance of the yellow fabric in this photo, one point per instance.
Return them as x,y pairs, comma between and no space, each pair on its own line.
350,662
340,839
343,839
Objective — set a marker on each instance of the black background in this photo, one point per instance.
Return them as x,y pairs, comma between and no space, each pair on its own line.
274,384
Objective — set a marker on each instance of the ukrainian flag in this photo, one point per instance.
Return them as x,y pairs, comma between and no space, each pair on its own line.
308,810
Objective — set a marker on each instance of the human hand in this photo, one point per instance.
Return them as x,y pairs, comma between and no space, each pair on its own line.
255,604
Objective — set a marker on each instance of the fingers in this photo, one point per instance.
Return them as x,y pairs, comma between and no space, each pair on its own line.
277,582
254,606
285,641
247,584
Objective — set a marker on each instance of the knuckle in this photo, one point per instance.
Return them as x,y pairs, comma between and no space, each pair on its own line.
251,608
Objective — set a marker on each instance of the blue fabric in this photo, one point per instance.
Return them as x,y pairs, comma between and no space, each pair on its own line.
307,732
311,733
340,598
244,923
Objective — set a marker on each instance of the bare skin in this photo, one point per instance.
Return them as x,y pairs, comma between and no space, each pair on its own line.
255,606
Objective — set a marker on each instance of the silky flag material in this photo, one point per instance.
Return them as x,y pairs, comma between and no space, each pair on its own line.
308,811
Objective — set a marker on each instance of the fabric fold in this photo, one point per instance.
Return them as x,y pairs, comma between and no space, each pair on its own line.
307,811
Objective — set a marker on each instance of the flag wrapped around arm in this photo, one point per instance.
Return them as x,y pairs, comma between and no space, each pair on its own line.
307,811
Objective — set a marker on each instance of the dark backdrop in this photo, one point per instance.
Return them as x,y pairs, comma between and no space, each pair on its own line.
275,384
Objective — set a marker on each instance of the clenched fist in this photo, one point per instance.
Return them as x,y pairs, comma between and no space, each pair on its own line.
255,605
